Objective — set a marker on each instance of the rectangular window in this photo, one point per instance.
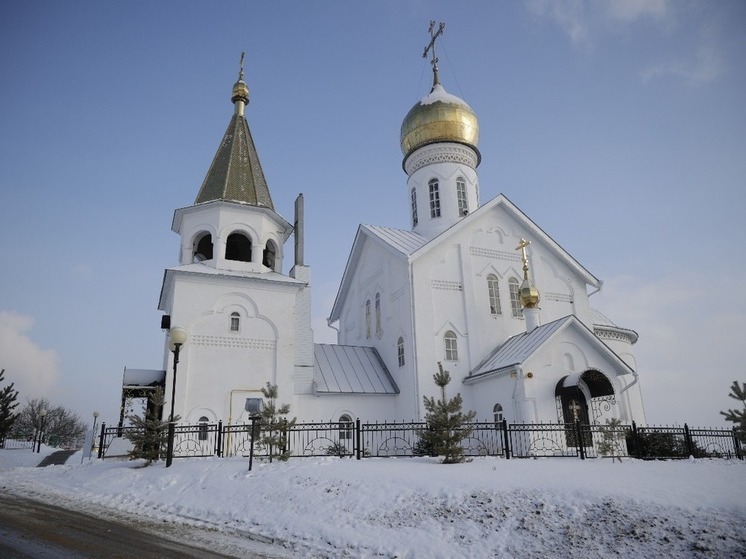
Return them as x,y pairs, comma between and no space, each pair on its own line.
434,198
463,205
414,208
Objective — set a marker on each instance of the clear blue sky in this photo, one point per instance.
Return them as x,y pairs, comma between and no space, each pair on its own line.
619,127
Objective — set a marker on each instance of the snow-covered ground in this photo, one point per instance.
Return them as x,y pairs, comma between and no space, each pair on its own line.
417,507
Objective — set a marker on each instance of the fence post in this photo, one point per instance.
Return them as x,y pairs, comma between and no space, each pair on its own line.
219,440
101,441
737,444
688,440
636,440
506,439
579,435
357,438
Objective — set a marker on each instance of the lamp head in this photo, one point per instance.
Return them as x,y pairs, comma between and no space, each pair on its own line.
176,336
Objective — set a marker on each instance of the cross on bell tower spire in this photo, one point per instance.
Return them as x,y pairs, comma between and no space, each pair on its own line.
431,46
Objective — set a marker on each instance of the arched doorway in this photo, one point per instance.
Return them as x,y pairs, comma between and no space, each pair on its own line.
587,397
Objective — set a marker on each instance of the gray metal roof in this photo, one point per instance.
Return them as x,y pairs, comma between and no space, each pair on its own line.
402,240
518,348
236,173
339,369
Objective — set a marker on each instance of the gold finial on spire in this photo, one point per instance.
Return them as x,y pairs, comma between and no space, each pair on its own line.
528,292
431,46
240,96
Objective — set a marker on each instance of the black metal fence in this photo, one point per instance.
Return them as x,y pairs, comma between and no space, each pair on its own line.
18,444
518,440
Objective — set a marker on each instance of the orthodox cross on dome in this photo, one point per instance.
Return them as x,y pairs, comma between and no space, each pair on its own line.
431,46
522,247
240,71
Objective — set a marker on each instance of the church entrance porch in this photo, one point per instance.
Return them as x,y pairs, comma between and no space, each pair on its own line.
584,398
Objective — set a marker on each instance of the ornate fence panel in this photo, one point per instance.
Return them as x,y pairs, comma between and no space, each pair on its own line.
194,441
391,439
237,440
486,439
715,443
531,440
322,439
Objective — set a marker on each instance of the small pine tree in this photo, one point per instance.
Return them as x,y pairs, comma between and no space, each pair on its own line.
446,423
738,417
275,425
612,440
149,434
8,396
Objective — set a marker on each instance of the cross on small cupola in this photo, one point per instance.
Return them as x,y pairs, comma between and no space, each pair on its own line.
529,293
431,47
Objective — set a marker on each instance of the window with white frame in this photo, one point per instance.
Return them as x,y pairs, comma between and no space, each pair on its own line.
379,324
434,198
414,208
400,351
235,321
493,290
497,413
367,319
202,435
463,204
451,346
515,297
345,427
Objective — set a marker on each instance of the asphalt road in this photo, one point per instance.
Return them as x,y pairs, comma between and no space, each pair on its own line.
34,530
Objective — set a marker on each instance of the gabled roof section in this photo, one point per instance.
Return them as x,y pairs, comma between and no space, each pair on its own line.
517,349
236,173
413,245
339,369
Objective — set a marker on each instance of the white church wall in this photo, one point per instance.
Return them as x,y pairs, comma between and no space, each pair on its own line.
217,365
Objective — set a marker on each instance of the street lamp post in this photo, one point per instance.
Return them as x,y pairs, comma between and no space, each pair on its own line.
176,338
43,414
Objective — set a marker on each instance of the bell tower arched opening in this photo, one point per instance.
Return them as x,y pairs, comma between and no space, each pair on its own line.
238,247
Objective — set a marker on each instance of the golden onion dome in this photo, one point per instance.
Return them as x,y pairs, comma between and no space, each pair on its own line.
529,294
240,91
439,117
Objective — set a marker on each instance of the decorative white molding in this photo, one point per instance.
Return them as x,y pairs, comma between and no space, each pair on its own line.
229,342
614,333
561,297
440,153
446,285
492,253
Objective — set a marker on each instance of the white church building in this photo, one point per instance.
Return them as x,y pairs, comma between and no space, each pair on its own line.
478,287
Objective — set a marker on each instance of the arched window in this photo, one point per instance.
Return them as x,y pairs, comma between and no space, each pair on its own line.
268,257
202,248
434,198
235,321
493,291
463,204
515,297
451,345
367,319
414,208
345,427
379,325
202,435
497,413
400,350
238,247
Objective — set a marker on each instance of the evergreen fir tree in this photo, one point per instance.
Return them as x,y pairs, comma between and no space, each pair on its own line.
8,396
738,417
612,443
149,434
275,425
446,423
